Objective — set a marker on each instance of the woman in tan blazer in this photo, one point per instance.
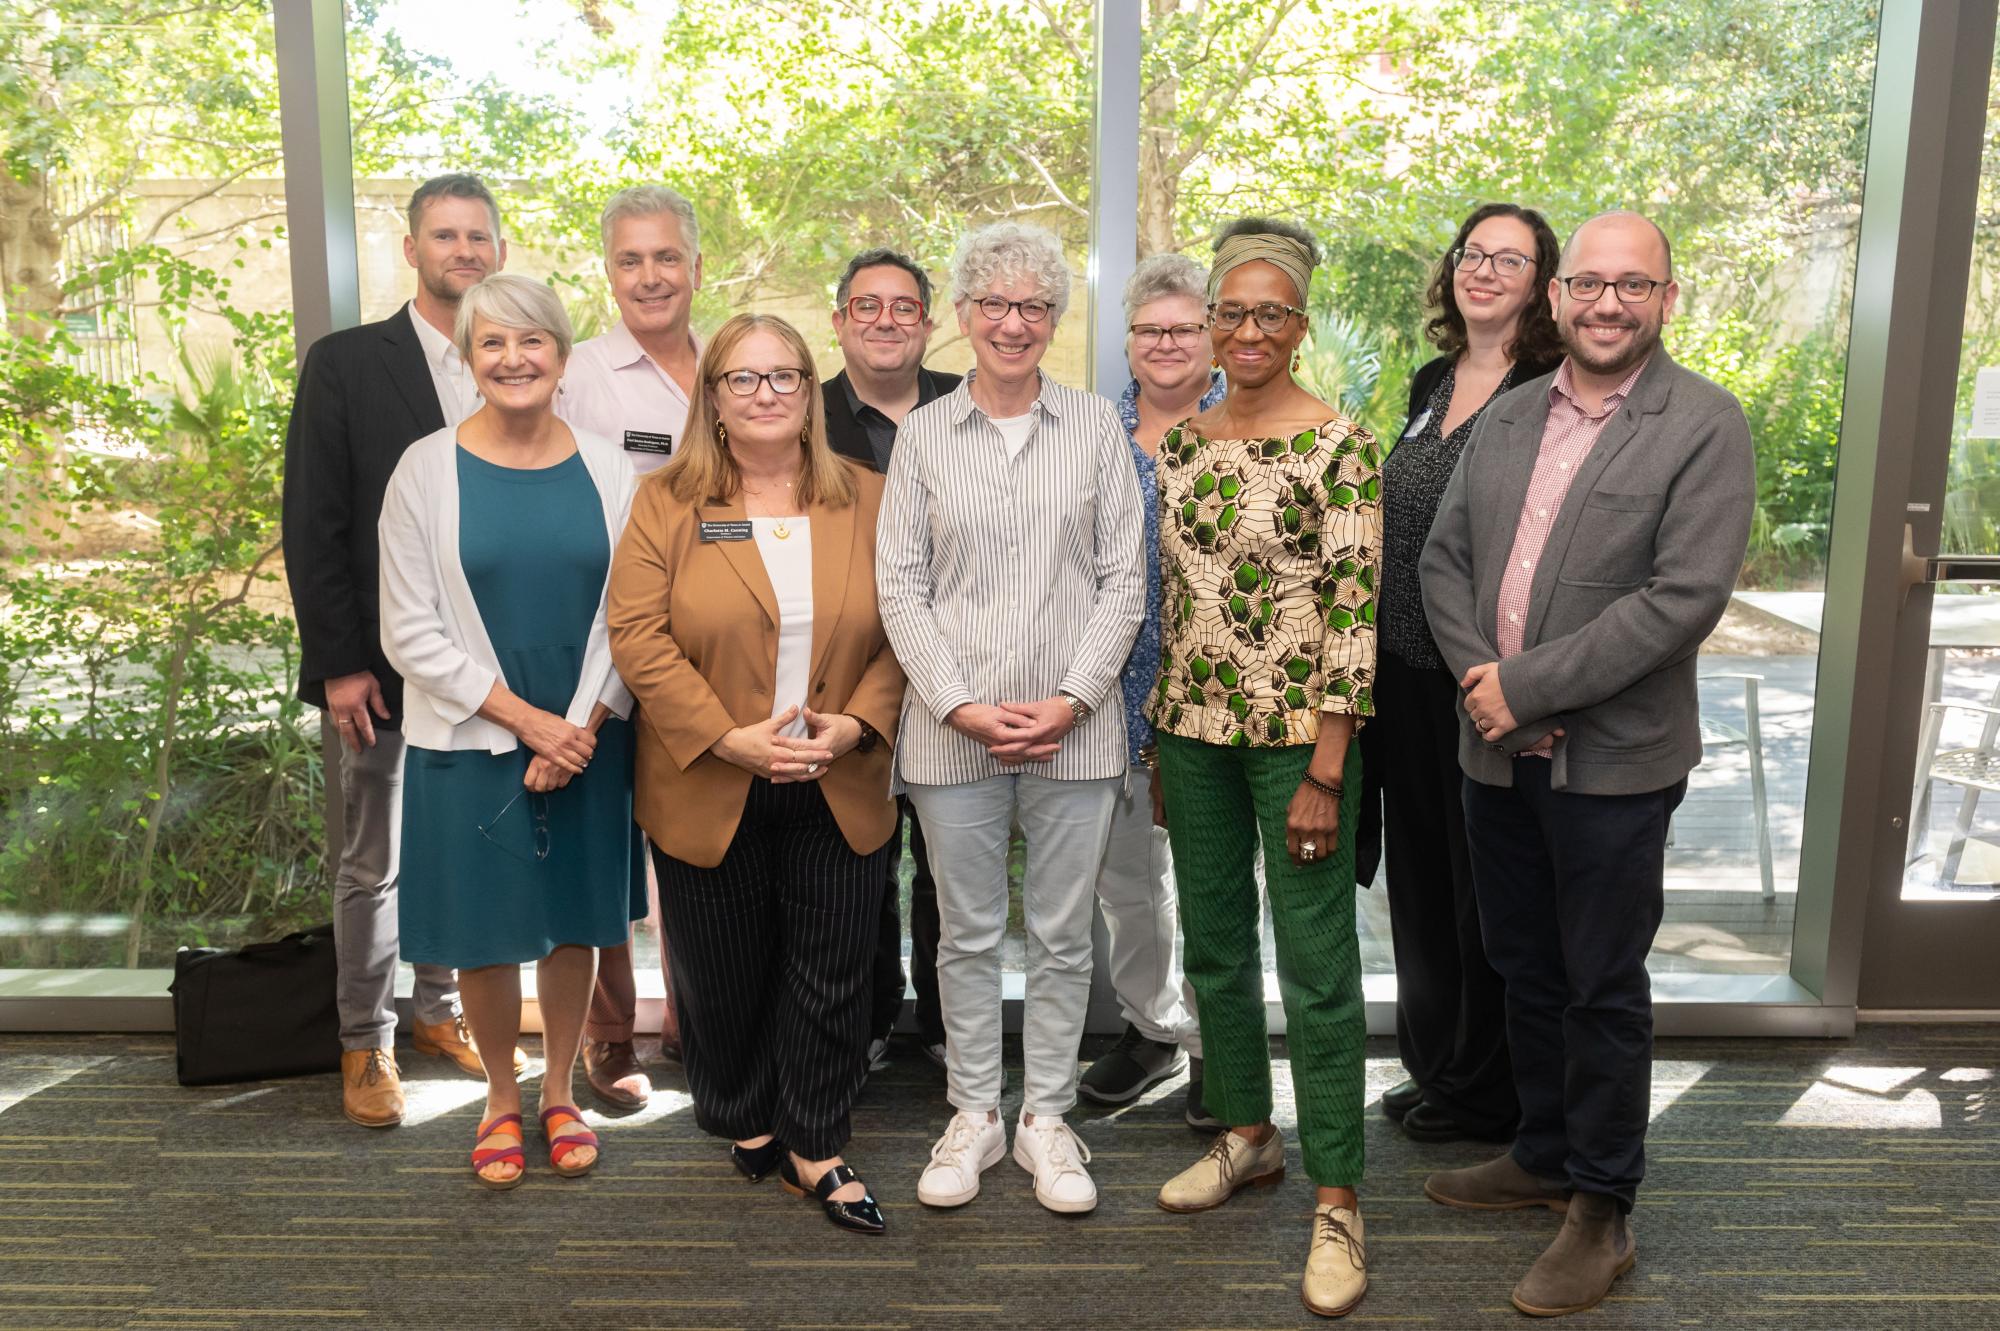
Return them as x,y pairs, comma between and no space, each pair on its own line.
742,616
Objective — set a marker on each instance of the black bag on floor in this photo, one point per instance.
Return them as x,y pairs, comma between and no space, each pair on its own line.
266,1010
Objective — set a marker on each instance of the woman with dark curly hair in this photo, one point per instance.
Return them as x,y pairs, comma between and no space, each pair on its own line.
1495,330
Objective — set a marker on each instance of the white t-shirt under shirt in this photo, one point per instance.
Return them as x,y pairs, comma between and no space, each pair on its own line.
1014,431
788,562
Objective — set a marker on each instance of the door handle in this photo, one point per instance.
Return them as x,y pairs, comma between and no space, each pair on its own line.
1921,570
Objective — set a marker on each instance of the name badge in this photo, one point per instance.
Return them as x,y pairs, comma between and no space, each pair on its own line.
1415,426
726,531
646,441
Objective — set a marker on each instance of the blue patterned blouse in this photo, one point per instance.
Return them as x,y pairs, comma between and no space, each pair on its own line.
1142,668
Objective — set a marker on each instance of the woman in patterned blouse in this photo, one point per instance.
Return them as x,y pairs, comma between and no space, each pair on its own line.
1270,530
1495,330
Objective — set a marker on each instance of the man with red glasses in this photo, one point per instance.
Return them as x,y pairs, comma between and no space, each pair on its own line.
882,316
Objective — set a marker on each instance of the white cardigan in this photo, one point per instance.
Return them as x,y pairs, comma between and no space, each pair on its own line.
431,630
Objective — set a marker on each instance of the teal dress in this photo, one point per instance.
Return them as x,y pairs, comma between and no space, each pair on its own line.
491,874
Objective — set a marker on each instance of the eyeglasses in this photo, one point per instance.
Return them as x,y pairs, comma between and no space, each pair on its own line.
1270,315
1507,263
902,310
744,382
996,308
538,806
1631,290
1183,335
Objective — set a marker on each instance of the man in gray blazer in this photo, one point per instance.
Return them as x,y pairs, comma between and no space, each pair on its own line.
1586,546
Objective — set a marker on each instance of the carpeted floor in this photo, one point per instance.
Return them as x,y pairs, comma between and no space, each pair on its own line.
1807,1184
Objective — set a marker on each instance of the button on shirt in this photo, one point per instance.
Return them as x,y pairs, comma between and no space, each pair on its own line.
613,388
1567,439
1010,579
457,396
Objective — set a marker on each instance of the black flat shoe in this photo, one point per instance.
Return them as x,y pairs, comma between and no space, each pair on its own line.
1401,1099
863,1217
1428,1123
756,1162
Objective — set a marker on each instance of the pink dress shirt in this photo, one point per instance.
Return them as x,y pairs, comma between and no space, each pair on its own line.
612,388
1567,439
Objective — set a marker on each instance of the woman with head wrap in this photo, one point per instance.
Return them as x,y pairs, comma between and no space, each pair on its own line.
1270,532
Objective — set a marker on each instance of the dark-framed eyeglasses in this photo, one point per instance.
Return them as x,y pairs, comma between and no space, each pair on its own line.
1631,290
1270,316
1507,263
1182,335
904,310
538,808
744,382
997,308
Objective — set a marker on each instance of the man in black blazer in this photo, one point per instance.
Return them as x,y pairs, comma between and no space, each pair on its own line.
365,394
882,316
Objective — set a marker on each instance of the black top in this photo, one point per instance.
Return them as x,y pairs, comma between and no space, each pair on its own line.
859,431
365,394
1414,476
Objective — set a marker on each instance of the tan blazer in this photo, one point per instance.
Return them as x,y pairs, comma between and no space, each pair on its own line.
694,634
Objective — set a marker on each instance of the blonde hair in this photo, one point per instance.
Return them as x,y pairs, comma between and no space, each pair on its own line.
702,471
512,301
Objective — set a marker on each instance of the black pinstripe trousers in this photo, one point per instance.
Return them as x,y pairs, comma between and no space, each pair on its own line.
773,956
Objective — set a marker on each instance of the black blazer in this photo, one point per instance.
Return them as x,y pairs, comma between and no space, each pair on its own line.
1425,381
848,436
365,394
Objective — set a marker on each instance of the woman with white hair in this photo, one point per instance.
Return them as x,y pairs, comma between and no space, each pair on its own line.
1012,581
518,840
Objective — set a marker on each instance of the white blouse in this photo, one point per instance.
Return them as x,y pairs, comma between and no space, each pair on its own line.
788,562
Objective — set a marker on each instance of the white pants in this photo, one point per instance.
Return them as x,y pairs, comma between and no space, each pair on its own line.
1135,889
966,831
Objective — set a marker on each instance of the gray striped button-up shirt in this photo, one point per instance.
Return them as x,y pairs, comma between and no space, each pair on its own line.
1010,580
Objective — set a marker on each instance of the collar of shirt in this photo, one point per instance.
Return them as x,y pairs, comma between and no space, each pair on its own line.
963,406
1128,402
622,352
438,348
1564,388
927,391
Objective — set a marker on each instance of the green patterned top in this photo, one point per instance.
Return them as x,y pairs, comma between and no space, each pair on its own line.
1269,550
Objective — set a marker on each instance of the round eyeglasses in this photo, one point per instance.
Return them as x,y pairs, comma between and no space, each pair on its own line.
744,382
997,308
902,310
1269,316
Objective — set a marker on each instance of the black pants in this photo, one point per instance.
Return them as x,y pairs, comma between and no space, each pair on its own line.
1450,1005
772,951
889,979
1570,894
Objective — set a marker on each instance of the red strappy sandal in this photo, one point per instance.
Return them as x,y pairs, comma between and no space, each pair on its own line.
564,1145
499,1154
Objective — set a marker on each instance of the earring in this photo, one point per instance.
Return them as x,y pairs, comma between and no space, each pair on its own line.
1215,362
805,435
1295,362
722,434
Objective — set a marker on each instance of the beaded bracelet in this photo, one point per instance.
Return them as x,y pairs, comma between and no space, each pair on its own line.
1335,789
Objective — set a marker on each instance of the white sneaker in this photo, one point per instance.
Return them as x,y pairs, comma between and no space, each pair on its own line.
1056,1156
1336,1265
971,1145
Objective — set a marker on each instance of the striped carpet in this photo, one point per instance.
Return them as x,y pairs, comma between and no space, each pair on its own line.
1808,1184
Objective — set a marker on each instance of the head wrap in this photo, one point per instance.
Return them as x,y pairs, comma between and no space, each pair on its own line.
1290,257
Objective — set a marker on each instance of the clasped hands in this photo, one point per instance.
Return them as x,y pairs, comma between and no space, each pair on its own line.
1015,732
1487,705
782,759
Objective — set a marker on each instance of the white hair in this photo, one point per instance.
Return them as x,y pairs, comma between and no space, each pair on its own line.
650,201
1004,250
1163,275
512,301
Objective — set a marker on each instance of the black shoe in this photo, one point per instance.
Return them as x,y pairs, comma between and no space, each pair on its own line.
1126,1069
1428,1123
1198,1116
1400,1100
756,1162
863,1217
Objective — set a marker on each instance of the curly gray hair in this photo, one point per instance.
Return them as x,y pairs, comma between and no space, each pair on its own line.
1005,250
1163,275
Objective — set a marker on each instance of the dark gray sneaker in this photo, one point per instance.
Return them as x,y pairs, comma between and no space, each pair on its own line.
1129,1067
1198,1116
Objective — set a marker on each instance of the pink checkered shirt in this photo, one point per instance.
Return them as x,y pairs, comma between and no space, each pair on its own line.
1567,439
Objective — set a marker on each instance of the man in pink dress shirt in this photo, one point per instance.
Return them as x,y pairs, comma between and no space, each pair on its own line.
633,386
1586,546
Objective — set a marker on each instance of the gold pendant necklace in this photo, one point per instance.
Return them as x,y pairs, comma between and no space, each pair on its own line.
779,530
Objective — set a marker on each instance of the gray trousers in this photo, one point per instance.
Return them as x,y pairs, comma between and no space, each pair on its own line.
1135,890
364,902
967,829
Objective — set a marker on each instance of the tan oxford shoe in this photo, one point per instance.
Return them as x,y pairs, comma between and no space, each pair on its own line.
450,1039
1337,1263
371,1089
1231,1164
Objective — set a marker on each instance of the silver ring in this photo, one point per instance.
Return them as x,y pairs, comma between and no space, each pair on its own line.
1308,849
811,768
343,721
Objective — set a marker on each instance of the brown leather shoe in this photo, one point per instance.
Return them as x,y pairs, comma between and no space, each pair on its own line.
1497,1185
371,1089
451,1039
613,1070
1594,1248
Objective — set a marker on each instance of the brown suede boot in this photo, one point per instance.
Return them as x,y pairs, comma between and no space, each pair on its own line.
1497,1185
1594,1248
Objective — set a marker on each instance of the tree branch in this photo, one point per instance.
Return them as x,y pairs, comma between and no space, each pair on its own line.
1050,181
1080,55
1238,79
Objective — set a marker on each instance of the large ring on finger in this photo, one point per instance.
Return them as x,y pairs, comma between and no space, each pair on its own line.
1308,850
343,721
811,768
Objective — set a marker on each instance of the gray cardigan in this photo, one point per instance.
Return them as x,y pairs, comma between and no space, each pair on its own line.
1637,571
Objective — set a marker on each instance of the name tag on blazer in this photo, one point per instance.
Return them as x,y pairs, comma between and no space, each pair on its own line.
647,441
1415,425
726,531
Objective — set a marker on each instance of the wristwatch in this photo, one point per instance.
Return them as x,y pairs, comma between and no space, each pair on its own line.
870,737
1078,706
